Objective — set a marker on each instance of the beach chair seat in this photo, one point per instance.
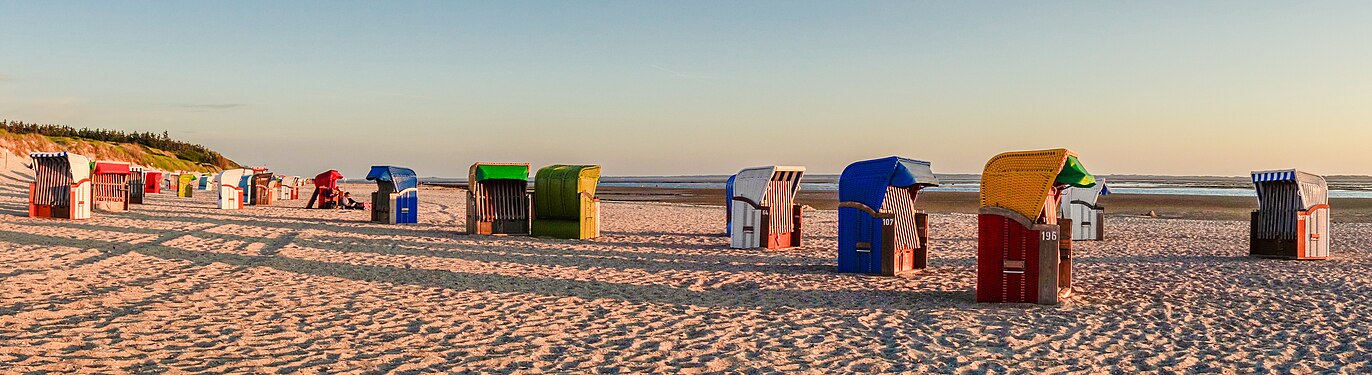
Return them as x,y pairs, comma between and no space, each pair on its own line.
1024,250
137,181
230,191
61,187
498,200
880,232
1088,217
110,186
1293,216
565,205
763,210
396,200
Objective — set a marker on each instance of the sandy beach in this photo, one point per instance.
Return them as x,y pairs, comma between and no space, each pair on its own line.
178,286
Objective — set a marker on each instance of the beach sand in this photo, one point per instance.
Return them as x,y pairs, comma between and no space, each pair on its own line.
178,286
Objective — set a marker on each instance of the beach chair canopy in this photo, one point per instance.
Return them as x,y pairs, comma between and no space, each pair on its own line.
1290,188
231,177
1087,195
558,190
753,183
1019,181
113,167
402,178
328,179
72,166
867,181
498,171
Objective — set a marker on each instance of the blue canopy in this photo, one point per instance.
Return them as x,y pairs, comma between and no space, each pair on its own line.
866,181
403,178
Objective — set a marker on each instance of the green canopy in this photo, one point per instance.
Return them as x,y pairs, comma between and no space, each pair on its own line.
1075,174
502,172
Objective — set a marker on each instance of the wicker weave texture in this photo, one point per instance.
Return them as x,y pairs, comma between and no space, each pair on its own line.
1020,180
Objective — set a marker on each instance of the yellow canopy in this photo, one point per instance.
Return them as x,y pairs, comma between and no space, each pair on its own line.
1021,180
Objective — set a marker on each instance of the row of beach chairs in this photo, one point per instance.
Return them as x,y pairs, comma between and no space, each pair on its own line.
1033,204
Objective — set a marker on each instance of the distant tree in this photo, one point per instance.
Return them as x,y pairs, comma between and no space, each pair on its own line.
185,151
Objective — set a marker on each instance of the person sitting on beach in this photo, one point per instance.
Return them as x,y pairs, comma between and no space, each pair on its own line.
351,204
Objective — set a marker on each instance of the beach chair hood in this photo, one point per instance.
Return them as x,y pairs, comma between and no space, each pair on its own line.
403,178
327,178
752,183
1311,189
1088,195
558,189
498,171
112,167
866,181
1019,181
77,167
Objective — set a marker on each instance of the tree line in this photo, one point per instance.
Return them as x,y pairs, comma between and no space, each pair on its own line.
185,151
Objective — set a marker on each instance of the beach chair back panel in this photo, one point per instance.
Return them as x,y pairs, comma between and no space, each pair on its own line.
1277,219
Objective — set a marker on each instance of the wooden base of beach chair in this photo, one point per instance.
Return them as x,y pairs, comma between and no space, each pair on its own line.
1022,262
1311,242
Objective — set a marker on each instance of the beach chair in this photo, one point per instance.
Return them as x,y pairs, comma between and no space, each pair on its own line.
110,186
879,230
729,205
169,182
61,187
1088,218
1292,220
325,190
262,190
1024,251
763,213
137,181
230,193
186,185
396,200
153,182
203,182
498,198
565,205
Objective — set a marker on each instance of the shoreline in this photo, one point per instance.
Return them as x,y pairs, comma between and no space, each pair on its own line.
1198,207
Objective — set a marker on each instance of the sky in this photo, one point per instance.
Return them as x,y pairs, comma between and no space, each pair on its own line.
708,87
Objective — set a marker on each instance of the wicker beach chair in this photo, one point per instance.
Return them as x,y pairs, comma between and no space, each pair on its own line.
1088,217
61,186
565,205
152,182
763,213
396,200
729,205
498,198
230,193
325,190
186,185
879,229
263,189
1024,251
1292,220
137,181
110,186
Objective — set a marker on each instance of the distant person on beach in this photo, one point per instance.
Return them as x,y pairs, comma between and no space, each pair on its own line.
351,204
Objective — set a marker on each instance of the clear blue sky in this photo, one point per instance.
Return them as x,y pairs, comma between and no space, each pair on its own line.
1163,87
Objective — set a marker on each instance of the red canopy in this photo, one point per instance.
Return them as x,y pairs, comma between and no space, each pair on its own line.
108,167
328,179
